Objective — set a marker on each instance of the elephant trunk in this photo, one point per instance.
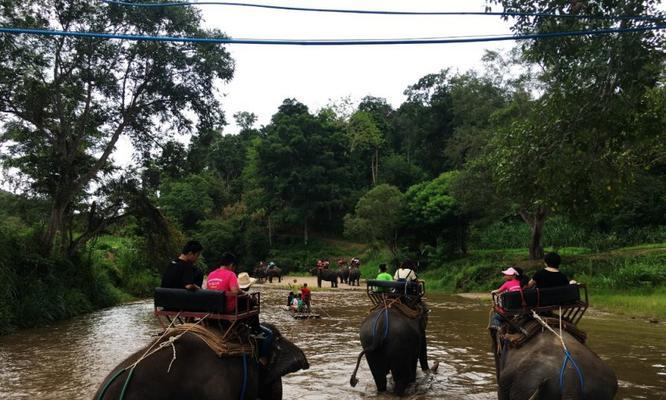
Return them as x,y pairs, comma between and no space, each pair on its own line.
353,380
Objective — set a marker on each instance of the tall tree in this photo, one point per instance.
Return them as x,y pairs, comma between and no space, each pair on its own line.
585,136
66,102
298,167
378,217
366,139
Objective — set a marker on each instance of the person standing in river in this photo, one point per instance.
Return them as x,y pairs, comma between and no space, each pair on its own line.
181,272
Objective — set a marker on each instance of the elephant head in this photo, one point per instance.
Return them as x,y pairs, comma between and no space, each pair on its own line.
285,358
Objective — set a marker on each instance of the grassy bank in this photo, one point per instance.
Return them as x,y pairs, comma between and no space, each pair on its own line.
36,290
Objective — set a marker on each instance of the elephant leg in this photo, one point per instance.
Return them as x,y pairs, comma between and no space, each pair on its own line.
279,278
378,366
272,391
318,282
404,373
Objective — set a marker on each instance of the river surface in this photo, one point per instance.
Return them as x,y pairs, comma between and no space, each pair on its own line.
68,360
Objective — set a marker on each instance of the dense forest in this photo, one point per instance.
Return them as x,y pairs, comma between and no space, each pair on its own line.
558,144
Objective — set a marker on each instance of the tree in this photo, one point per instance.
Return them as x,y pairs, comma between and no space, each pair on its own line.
435,215
583,140
378,216
299,166
366,138
66,102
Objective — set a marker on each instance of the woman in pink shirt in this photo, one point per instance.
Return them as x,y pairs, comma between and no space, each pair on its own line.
224,279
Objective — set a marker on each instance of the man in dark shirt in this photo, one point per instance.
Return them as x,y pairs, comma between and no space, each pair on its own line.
181,272
550,276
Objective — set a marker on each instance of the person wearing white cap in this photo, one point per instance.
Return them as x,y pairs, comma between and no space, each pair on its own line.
511,284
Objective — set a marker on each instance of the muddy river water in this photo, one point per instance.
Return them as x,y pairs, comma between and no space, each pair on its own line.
68,360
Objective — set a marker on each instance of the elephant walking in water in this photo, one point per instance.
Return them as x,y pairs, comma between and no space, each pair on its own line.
355,276
199,373
539,370
325,275
393,340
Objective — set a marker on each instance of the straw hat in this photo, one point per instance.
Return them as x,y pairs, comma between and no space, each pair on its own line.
244,280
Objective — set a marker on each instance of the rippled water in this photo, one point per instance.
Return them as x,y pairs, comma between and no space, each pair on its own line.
69,359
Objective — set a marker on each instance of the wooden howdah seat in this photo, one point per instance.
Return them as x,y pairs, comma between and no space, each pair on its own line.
182,304
567,298
409,292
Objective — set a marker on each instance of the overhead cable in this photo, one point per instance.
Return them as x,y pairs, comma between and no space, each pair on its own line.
300,42
386,12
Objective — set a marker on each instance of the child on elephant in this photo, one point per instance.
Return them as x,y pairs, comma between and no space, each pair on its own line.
511,284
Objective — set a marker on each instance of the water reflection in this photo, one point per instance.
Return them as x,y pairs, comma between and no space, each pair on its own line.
69,359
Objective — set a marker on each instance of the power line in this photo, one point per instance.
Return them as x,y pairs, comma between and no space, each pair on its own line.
386,12
333,42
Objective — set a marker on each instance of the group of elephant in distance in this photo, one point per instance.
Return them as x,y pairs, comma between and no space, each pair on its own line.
393,339
349,274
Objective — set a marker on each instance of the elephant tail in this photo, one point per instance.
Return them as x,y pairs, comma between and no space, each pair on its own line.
353,380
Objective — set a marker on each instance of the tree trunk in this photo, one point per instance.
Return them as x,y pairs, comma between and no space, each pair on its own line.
55,231
376,165
536,221
270,233
305,231
372,171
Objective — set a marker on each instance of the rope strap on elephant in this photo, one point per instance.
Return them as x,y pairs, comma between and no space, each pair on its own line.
217,341
530,327
397,304
567,356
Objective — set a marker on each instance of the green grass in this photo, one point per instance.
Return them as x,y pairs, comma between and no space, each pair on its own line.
642,303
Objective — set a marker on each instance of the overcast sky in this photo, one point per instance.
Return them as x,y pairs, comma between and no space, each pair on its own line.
266,75
316,76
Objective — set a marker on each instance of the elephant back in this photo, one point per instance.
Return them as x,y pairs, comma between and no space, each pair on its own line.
395,321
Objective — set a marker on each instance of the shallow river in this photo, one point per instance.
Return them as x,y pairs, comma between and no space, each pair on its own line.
68,360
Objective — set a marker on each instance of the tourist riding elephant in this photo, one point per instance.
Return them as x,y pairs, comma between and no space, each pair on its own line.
537,370
355,276
328,275
393,342
189,369
273,272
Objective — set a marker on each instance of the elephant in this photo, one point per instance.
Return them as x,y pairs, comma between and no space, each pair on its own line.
344,274
355,276
259,273
328,275
198,373
393,342
274,272
533,371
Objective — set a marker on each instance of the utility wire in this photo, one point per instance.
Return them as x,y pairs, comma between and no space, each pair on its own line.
299,42
385,12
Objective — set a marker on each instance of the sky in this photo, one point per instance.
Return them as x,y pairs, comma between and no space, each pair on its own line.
317,76
266,75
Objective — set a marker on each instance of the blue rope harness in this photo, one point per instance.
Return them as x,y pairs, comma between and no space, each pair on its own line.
386,323
567,358
244,386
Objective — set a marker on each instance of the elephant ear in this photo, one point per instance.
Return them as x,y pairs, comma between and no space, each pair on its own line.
286,358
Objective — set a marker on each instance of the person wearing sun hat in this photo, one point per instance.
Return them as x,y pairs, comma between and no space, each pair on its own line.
245,281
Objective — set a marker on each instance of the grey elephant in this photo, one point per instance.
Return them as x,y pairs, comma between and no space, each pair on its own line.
354,276
537,370
328,275
394,341
198,373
